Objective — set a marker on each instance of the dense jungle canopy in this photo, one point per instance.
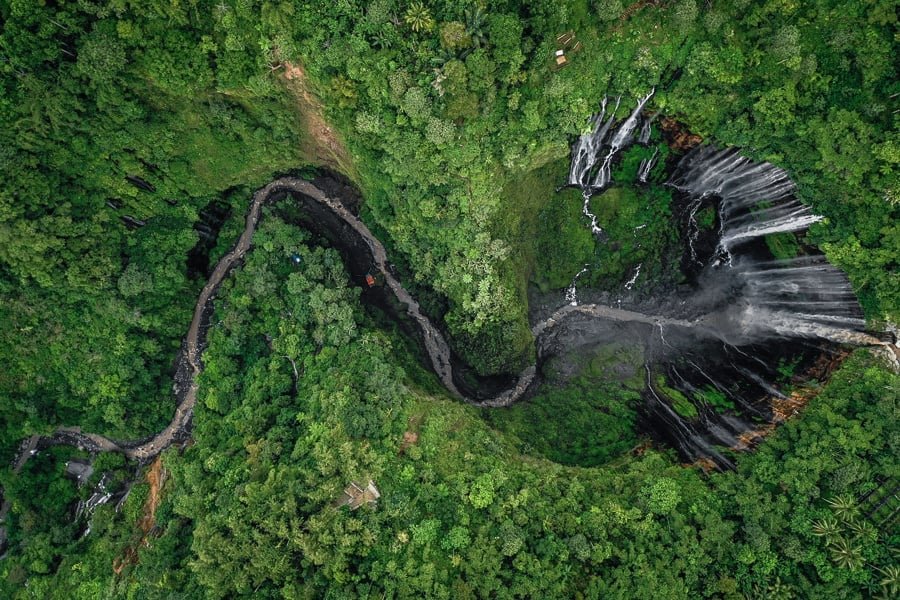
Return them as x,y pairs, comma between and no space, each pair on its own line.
132,136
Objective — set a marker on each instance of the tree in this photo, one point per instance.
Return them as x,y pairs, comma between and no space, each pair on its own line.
419,18
454,36
663,497
828,528
609,10
102,56
475,19
847,554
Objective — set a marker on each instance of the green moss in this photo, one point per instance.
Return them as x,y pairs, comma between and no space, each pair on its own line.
715,398
627,169
586,421
783,245
545,228
706,218
580,424
619,362
640,231
786,368
564,243
682,405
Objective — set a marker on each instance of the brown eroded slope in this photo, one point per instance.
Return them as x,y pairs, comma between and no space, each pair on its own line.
323,146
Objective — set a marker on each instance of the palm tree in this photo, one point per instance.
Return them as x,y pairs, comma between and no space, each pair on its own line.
863,530
828,528
890,581
385,37
418,17
846,554
475,26
779,590
844,506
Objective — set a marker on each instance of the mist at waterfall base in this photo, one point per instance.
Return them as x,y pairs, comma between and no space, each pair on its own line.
743,326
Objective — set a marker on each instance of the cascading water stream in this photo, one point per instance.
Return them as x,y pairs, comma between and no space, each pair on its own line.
644,136
584,172
646,166
571,296
693,229
586,211
637,272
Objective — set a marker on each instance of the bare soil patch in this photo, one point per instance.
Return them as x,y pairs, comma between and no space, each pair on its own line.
677,136
324,145
156,478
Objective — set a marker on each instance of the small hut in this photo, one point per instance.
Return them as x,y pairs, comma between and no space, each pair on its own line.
355,495
561,58
565,42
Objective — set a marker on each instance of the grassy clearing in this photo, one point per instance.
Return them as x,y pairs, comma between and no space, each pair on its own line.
537,221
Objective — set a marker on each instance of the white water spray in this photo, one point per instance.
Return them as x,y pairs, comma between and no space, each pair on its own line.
571,297
637,273
647,164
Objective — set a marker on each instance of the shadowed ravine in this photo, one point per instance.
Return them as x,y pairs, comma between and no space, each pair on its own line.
189,363
733,322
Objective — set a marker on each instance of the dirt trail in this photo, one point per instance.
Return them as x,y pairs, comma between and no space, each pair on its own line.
156,477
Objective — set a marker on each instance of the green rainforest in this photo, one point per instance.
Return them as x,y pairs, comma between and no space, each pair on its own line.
449,299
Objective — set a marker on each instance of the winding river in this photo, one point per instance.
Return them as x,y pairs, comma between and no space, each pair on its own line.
330,213
738,301
189,363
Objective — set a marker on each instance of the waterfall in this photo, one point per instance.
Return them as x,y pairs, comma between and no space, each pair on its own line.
571,297
587,147
584,172
644,136
631,282
715,350
756,198
100,496
799,297
766,306
646,166
623,134
620,139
